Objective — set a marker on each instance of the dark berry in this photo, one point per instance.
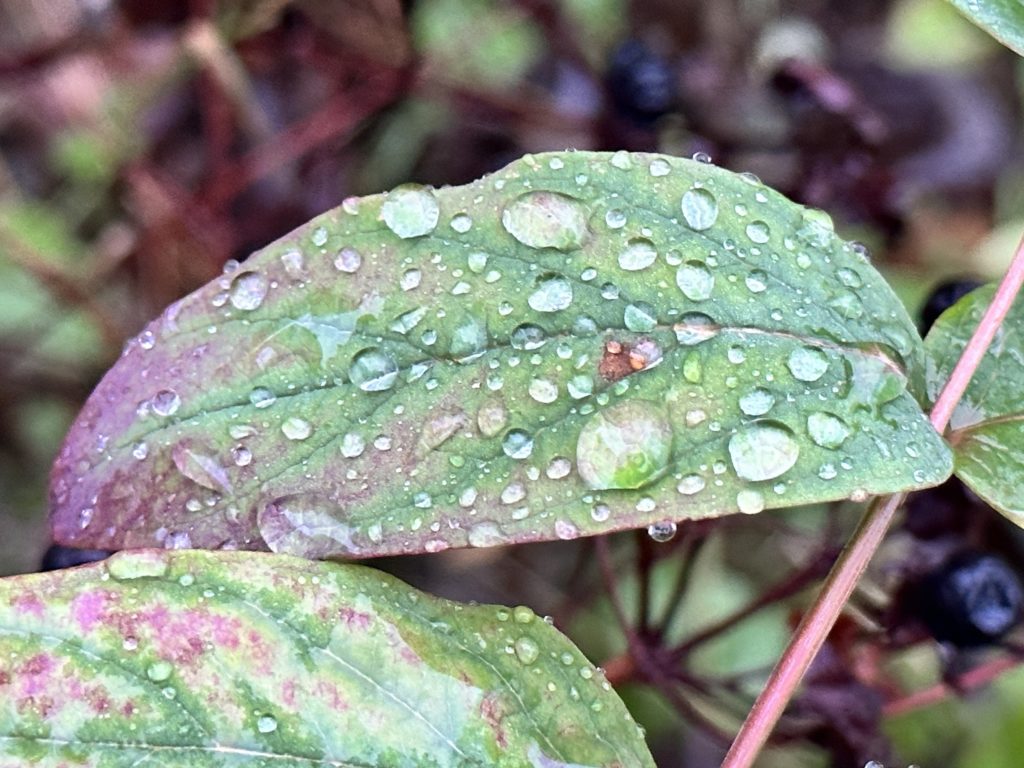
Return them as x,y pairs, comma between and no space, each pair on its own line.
58,557
972,600
641,83
944,296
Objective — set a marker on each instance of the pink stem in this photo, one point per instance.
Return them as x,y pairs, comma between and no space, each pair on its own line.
843,578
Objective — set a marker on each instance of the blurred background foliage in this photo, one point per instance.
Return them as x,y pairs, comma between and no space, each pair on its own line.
144,143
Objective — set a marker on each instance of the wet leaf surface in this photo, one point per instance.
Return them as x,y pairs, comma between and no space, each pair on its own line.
579,343
1003,19
987,427
217,659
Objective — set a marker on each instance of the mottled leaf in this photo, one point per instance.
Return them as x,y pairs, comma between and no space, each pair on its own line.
987,427
215,659
1003,19
577,344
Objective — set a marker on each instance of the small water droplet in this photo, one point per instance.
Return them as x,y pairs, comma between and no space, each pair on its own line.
517,444
827,429
159,671
558,468
306,524
527,336
140,450
763,451
690,484
700,209
757,402
319,237
640,317
261,397
659,167
662,531
546,220
758,231
165,402
462,223
352,445
295,428
807,363
695,280
410,279
552,293
638,254
241,455
615,218
248,290
756,281
410,211
373,370
491,418
543,391
348,260
580,386
624,446
200,468
266,724
477,262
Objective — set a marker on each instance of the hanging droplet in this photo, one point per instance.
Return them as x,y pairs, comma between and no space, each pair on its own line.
695,280
662,532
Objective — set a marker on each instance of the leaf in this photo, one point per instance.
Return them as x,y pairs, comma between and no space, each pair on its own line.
1003,19
986,430
577,344
211,659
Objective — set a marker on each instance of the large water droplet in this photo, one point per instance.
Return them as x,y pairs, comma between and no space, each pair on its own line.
763,451
625,446
638,254
201,468
410,210
373,370
306,524
700,208
757,402
552,293
248,290
807,363
546,220
662,531
543,391
827,429
695,280
758,231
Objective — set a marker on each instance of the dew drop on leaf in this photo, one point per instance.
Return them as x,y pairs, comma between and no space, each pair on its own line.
807,363
261,397
827,429
546,220
758,231
295,428
757,402
552,293
248,290
700,209
165,402
307,525
763,451
638,254
410,211
373,370
695,280
517,444
348,260
624,446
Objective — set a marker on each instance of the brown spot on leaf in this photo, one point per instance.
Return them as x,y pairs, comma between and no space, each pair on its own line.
621,359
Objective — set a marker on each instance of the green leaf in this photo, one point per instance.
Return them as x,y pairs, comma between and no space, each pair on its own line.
215,659
987,427
577,344
1003,19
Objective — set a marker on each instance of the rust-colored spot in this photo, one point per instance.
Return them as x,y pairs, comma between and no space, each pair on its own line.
621,359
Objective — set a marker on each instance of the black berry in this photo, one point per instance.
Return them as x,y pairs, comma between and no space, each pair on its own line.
57,557
944,296
972,600
641,83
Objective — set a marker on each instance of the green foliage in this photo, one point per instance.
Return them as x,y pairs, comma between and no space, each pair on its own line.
577,344
1003,19
987,427
216,659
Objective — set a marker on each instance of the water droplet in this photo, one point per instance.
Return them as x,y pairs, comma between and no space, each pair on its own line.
827,429
410,210
165,402
763,451
690,484
477,262
517,444
348,260
659,167
700,209
139,564
306,524
695,281
638,254
807,363
140,450
552,293
757,402
461,223
294,264
523,614
749,501
756,281
662,531
319,237
295,428
546,220
406,321
527,336
266,724
513,493
159,671
543,391
373,370
624,446
849,277
241,455
200,468
758,231
640,317
558,468
621,160
491,418
695,327
261,397
248,290
410,279
580,386
352,445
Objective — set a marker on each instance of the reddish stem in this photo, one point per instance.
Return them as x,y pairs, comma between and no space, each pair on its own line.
841,581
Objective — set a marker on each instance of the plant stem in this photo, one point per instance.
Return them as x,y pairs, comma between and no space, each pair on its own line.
843,578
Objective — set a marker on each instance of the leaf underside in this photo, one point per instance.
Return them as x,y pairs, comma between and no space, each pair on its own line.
1003,19
579,343
987,427
222,659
